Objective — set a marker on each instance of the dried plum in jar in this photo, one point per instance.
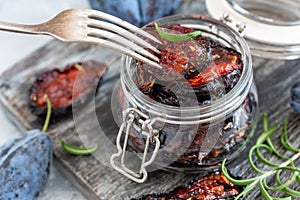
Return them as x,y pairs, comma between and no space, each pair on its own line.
198,65
202,105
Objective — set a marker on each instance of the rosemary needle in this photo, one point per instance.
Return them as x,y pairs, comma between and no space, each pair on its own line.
79,151
176,37
264,141
67,147
46,123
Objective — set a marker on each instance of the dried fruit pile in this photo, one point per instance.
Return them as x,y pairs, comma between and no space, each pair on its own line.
195,72
200,66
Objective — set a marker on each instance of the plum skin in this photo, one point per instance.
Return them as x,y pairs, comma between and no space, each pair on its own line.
25,166
295,97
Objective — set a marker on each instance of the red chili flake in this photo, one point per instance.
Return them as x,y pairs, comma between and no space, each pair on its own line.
73,84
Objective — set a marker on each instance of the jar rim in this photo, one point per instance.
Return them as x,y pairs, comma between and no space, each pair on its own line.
267,36
221,106
267,11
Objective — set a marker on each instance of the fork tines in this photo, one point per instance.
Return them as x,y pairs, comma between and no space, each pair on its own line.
118,34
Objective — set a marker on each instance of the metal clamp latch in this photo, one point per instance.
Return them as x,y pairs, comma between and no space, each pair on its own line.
131,117
240,27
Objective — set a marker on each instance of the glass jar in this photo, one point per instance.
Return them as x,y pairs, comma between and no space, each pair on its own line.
272,30
191,138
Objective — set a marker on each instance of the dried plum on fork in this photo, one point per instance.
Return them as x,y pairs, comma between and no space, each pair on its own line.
59,86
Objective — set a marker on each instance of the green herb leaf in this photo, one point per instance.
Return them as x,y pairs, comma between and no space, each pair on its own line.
247,189
298,179
176,37
235,181
281,185
257,147
262,158
48,116
266,134
264,141
284,139
291,192
269,141
263,190
79,151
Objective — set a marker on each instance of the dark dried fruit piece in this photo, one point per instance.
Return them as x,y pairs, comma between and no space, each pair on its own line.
200,66
73,84
213,186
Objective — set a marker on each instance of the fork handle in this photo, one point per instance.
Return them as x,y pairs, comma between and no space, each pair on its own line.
21,28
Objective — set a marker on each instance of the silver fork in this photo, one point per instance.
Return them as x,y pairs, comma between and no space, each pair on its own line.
95,27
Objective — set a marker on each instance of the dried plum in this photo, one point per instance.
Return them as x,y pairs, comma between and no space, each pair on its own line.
202,65
59,86
213,186
195,72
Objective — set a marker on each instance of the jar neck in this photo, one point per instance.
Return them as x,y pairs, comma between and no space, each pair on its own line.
204,113
269,12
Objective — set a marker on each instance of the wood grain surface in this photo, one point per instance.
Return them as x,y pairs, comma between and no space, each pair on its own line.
91,173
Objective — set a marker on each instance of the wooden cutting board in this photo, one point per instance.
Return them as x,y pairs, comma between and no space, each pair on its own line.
90,173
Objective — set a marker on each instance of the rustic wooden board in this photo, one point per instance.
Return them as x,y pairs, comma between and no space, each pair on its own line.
273,78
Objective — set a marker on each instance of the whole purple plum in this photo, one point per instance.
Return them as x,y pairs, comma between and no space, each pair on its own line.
25,166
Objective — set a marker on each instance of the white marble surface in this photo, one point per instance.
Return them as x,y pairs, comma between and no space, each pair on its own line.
13,48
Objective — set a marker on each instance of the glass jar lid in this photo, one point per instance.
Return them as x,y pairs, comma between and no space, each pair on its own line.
272,27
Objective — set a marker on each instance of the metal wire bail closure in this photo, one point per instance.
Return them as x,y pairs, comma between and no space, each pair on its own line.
239,27
134,118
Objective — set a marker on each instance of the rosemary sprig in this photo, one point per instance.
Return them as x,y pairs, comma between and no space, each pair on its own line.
264,141
75,150
78,151
176,37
